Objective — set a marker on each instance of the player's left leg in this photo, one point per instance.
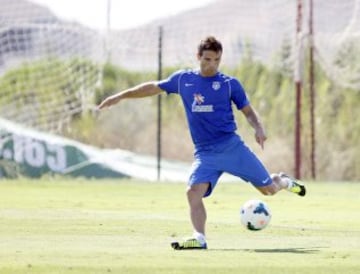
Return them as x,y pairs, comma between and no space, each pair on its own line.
282,181
293,185
242,162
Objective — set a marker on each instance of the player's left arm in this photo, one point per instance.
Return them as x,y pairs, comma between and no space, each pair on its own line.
254,120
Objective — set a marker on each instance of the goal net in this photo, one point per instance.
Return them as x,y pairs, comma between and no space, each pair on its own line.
49,69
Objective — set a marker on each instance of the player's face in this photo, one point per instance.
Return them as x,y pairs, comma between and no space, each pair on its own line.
209,62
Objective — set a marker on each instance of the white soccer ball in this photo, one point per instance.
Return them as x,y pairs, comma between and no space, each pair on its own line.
255,215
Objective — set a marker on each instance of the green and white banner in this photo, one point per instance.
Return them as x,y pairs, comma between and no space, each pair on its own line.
34,154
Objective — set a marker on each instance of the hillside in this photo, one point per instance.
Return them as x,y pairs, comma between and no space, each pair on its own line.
262,24
30,31
22,11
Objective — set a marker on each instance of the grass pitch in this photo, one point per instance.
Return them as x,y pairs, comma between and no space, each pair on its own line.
126,226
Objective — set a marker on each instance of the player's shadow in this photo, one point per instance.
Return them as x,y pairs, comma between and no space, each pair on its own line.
294,250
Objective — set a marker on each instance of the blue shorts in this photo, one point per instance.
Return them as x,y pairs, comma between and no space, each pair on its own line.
231,156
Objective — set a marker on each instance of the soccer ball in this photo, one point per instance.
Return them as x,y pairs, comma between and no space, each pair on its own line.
255,215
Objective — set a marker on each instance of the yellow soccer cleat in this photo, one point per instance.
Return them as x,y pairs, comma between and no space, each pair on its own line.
188,244
295,187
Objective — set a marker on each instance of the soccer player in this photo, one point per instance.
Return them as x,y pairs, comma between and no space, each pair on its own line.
207,96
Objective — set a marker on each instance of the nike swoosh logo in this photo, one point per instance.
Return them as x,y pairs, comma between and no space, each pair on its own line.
188,85
265,181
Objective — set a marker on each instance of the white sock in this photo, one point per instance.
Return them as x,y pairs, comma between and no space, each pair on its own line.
283,183
289,182
200,237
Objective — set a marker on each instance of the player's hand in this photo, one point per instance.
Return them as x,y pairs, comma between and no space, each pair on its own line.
109,101
260,136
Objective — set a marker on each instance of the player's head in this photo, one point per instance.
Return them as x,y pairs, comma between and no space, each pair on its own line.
209,55
209,43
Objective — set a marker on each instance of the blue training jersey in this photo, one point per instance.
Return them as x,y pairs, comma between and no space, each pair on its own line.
208,103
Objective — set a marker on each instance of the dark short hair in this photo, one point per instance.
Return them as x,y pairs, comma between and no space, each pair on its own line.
209,43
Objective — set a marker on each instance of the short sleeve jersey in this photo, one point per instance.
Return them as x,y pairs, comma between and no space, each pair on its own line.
208,103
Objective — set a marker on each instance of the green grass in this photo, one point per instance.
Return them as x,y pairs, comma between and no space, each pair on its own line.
125,226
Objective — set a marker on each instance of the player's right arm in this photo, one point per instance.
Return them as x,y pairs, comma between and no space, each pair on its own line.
139,91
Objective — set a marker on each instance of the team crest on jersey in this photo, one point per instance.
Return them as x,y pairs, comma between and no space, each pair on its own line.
216,85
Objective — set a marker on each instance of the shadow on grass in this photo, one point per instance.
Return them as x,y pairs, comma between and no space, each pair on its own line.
295,250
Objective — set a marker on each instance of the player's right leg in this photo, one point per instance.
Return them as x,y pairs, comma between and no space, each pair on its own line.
202,181
195,194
